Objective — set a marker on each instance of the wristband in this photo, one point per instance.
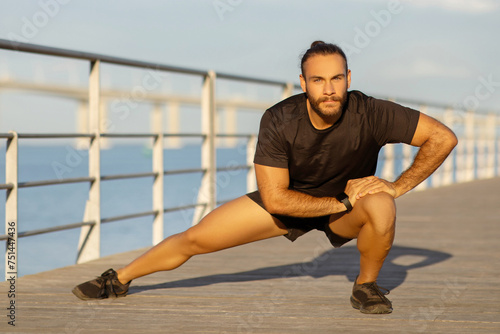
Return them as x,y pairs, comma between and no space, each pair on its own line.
342,197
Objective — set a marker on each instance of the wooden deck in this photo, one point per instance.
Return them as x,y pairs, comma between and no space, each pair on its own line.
443,274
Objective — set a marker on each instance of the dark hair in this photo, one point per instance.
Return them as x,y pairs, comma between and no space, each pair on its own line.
322,48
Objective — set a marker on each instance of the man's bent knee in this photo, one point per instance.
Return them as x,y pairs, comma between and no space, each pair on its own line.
379,210
377,203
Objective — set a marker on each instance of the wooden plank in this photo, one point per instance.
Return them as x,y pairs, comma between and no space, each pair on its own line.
441,271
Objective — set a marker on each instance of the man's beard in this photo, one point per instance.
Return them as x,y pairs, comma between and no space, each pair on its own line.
327,111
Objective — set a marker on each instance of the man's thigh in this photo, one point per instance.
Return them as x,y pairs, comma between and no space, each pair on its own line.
237,222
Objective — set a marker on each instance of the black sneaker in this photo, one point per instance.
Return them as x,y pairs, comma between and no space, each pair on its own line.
368,298
104,286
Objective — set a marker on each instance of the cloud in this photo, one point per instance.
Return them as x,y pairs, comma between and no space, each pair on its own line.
465,6
429,68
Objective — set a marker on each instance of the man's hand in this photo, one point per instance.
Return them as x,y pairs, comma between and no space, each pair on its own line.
358,188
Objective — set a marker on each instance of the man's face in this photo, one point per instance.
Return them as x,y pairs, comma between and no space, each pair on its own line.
325,82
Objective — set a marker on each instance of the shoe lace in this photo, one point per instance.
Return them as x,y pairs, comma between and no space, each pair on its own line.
107,283
373,286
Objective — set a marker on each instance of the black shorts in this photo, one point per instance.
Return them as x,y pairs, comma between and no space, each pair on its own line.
297,226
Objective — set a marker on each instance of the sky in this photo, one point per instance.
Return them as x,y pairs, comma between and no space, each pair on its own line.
438,51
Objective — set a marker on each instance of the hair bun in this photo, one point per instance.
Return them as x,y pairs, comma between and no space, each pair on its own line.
316,43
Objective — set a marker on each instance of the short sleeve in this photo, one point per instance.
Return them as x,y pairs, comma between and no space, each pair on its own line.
271,148
391,122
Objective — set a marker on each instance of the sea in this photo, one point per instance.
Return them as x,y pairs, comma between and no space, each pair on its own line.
49,206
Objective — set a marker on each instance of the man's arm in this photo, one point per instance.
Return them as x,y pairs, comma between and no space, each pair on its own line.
436,141
278,199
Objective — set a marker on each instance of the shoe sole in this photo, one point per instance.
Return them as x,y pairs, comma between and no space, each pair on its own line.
79,294
82,296
381,309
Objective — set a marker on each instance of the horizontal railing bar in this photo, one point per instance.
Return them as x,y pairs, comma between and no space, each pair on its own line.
234,135
119,135
252,79
184,171
6,186
55,135
127,176
52,51
6,135
123,217
53,182
178,208
239,167
112,177
130,135
48,230
184,135
58,52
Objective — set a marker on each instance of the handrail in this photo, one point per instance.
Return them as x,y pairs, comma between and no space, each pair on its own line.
184,171
145,135
127,176
53,51
49,230
53,182
54,135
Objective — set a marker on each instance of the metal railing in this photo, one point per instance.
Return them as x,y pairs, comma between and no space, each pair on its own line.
477,155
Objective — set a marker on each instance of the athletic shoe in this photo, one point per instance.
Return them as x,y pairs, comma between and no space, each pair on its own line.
368,298
104,286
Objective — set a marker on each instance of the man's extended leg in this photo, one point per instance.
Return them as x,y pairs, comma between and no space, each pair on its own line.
372,222
235,223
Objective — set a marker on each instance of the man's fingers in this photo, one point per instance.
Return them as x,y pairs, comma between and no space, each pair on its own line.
374,186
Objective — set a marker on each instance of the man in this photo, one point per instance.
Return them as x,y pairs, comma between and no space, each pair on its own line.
315,160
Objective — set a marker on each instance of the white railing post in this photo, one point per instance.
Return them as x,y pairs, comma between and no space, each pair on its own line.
230,126
490,144
82,125
104,143
11,213
470,143
207,192
460,152
90,236
251,179
172,126
448,119
158,168
480,148
497,141
287,90
389,161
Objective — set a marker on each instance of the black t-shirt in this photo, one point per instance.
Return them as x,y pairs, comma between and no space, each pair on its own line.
320,162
